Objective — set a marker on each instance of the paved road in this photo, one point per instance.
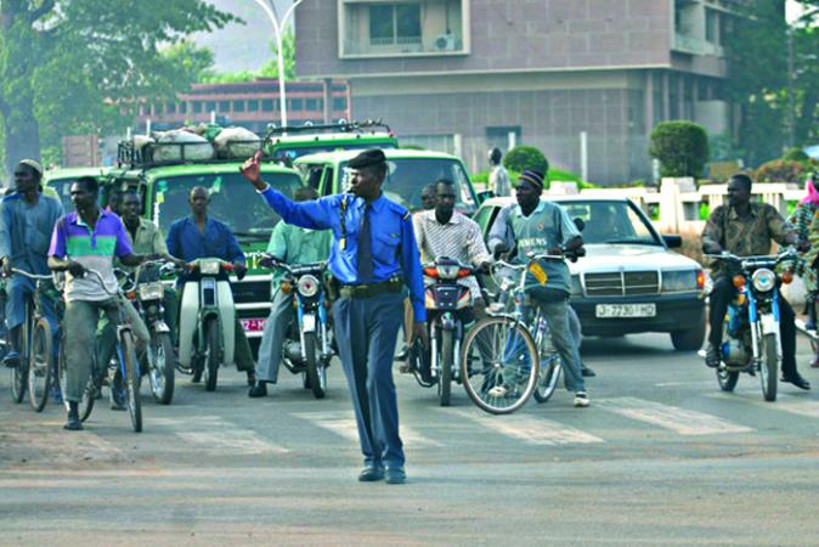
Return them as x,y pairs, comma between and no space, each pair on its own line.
661,457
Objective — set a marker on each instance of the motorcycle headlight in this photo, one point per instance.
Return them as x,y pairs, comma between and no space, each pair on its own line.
308,286
763,280
209,266
151,291
448,272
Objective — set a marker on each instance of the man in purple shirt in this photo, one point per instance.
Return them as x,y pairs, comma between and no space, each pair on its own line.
82,241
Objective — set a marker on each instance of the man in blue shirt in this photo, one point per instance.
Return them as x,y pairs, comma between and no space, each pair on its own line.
199,236
373,257
27,219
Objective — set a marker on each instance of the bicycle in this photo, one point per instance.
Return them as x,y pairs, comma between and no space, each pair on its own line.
37,361
516,363
128,366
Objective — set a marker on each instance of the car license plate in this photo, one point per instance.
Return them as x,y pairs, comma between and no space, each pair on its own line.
253,325
309,322
615,311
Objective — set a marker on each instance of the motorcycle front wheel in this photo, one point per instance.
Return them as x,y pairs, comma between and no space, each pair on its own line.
212,353
313,364
162,368
769,366
446,360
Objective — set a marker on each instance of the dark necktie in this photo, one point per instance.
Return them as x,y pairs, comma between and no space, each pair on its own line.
365,249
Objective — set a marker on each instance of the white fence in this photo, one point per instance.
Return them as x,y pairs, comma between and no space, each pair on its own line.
678,199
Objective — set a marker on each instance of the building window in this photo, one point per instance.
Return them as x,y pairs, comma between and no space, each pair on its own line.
224,106
311,105
210,106
267,105
197,107
238,106
340,103
501,137
296,104
183,108
170,108
712,26
253,105
395,24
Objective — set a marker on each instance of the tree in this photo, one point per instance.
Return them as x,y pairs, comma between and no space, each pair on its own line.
86,62
521,158
682,148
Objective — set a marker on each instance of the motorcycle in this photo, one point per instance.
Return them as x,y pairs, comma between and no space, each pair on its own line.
146,294
751,340
446,302
207,321
308,347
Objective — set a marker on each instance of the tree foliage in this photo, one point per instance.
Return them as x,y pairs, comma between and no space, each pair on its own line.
521,158
777,103
69,66
682,148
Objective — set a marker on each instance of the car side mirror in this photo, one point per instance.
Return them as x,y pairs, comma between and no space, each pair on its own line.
579,223
485,195
673,241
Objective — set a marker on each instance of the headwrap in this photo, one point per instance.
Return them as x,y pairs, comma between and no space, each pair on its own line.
532,177
813,195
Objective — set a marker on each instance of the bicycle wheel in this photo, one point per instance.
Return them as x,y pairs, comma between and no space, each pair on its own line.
499,365
128,362
161,372
549,366
40,364
19,373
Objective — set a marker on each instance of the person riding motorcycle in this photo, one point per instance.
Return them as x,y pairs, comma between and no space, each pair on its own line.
27,218
199,236
534,226
293,245
745,228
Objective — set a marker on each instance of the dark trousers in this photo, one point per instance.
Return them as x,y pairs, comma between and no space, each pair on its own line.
366,331
722,294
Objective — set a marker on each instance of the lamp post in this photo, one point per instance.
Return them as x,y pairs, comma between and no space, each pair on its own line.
278,28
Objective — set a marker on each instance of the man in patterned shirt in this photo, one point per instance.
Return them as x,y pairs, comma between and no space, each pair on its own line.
745,228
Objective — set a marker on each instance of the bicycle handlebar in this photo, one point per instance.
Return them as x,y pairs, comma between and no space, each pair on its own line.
31,275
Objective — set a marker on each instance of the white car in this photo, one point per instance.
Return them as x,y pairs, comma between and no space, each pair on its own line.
629,281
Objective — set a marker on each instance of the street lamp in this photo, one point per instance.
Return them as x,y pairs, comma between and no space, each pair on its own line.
277,30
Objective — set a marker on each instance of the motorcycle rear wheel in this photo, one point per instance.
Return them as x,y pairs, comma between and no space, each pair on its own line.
727,379
769,366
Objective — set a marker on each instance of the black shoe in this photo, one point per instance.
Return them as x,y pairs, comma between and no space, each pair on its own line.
259,390
402,355
712,356
73,423
371,473
798,381
251,378
396,475
586,372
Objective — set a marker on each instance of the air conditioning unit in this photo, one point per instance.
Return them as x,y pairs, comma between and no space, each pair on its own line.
445,42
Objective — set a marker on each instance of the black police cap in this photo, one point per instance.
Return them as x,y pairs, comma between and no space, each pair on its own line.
368,158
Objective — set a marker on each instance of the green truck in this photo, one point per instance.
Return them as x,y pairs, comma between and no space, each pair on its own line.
287,144
165,186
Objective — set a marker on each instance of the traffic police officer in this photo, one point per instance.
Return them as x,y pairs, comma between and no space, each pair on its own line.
373,256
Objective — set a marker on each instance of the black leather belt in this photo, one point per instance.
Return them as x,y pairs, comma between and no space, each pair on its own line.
369,290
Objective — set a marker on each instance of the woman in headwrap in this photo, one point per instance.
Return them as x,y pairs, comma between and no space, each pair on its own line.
804,220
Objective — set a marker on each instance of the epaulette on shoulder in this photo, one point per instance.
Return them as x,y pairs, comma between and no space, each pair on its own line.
400,209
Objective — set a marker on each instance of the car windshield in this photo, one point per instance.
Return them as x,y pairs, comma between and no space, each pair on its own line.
232,200
611,222
294,152
408,176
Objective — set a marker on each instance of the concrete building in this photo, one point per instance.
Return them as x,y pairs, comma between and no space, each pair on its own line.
466,75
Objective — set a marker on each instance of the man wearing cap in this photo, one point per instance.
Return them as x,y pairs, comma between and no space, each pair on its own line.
373,256
27,218
533,226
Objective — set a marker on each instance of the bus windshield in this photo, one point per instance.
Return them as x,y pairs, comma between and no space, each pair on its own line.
232,200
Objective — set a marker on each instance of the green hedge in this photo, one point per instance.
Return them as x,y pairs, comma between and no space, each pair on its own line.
522,158
681,147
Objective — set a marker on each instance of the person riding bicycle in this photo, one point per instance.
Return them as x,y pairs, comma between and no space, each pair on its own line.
531,227
200,236
745,228
27,219
292,245
87,240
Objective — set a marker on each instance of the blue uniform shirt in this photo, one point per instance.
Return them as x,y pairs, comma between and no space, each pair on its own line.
185,241
393,247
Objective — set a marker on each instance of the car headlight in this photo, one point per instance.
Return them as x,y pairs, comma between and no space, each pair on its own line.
680,281
763,280
308,285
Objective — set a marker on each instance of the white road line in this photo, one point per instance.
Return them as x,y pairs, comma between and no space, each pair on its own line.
799,404
680,420
342,423
527,428
215,435
682,384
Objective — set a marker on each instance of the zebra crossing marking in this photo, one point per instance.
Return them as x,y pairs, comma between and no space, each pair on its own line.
527,428
343,424
220,436
680,420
